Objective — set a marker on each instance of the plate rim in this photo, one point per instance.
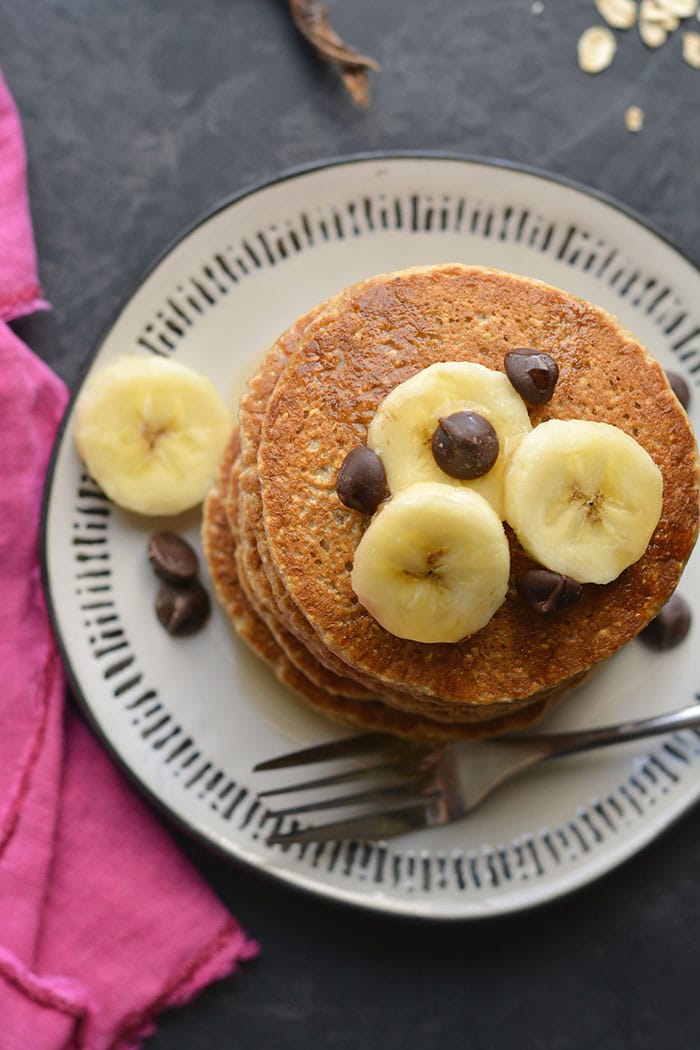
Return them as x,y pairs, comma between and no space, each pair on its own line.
363,156
566,885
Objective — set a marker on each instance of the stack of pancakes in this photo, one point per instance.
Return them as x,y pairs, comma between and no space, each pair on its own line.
280,545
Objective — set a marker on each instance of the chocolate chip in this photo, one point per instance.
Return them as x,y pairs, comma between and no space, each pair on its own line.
670,626
182,610
172,557
533,374
547,592
679,387
465,445
361,482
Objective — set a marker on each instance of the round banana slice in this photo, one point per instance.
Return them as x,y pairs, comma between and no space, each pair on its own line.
151,433
433,564
583,498
402,430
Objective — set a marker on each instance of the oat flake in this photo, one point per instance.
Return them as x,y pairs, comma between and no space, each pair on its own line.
596,49
654,13
634,118
653,34
620,14
679,8
691,49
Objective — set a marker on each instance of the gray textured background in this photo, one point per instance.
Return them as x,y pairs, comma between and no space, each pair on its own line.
140,115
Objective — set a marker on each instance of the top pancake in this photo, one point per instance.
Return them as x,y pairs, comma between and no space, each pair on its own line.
384,332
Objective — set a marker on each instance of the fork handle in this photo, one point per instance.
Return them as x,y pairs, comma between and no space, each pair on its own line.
582,740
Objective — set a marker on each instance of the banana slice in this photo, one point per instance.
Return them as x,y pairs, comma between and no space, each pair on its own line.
151,433
401,431
433,564
583,498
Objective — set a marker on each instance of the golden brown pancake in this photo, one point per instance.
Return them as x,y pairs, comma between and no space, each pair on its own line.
345,362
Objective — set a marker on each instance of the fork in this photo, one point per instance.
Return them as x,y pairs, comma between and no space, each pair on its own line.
420,786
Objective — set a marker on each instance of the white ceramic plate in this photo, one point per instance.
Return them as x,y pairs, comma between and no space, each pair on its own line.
190,718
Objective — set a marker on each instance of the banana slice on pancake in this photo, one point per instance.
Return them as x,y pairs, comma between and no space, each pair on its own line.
583,498
433,564
402,430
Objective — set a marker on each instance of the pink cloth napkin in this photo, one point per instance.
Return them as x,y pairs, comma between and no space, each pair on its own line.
103,923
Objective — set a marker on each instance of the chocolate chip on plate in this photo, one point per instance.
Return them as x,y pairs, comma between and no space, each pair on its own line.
465,445
679,387
172,557
361,481
183,609
533,373
670,626
547,592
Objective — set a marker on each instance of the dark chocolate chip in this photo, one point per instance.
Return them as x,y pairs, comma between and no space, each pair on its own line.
533,374
547,592
670,626
465,445
361,482
182,609
172,557
679,387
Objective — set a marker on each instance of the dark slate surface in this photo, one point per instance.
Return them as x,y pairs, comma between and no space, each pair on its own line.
139,115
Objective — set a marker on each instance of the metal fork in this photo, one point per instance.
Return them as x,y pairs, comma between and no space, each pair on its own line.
420,786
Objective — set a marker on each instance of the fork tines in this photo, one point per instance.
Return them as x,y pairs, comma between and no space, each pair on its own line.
387,823
400,782
346,747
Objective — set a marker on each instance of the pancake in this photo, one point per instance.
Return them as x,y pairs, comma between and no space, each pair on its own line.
346,360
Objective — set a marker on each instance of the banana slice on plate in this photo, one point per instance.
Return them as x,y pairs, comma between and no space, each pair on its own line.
151,433
583,498
402,430
433,564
